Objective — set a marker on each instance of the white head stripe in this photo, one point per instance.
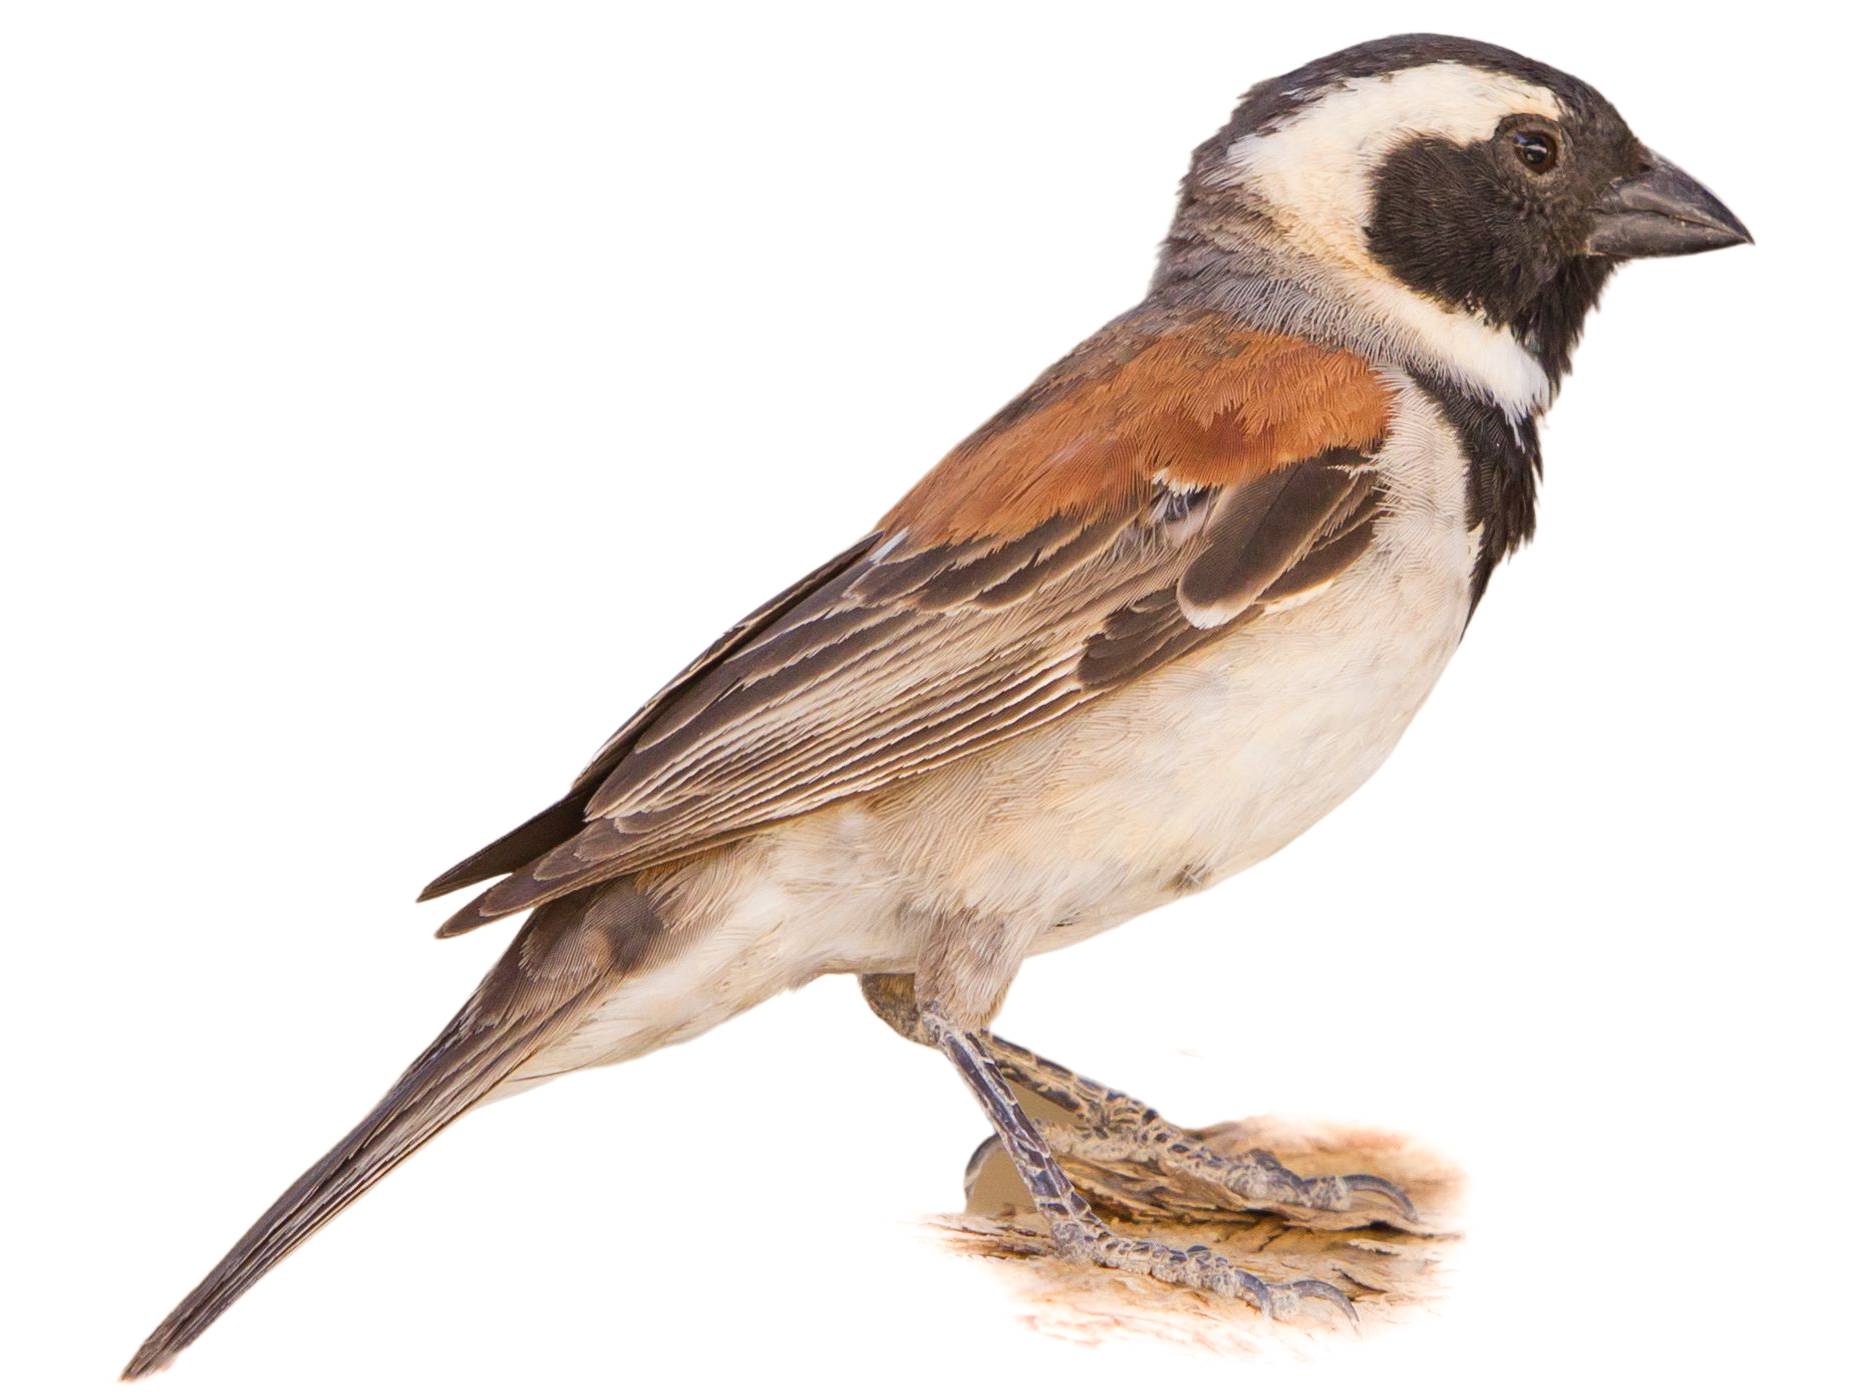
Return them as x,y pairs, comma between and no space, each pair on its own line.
1314,172
1318,164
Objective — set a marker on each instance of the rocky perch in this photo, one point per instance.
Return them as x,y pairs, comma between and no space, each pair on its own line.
1390,1267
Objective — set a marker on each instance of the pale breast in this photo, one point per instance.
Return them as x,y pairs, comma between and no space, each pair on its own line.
1217,761
1168,785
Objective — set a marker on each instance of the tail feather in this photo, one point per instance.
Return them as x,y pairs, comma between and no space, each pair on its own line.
568,954
556,824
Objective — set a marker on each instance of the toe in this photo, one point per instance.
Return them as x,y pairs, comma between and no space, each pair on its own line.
1327,1292
1245,1284
1381,1186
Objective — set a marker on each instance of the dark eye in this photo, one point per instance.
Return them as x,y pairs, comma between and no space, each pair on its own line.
1535,148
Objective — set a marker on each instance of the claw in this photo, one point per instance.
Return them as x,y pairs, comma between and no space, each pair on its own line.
1381,1186
1251,1286
1258,1177
1328,1292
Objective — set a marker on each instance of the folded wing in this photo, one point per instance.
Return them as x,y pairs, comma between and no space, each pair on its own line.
1163,485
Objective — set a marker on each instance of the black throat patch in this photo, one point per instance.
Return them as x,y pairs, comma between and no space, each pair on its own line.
1503,464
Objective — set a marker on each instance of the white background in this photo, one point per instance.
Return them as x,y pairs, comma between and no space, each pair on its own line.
394,395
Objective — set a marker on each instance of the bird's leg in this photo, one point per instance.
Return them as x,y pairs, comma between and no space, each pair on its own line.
891,996
1076,1232
1106,1125
1099,1124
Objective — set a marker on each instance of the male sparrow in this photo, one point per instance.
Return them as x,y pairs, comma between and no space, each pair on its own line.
1161,613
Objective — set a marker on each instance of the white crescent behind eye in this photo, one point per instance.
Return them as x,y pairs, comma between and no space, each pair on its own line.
1315,169
1313,172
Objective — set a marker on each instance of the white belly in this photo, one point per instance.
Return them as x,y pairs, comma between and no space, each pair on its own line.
1156,790
1224,757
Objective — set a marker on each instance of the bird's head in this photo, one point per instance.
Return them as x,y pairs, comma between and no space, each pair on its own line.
1442,181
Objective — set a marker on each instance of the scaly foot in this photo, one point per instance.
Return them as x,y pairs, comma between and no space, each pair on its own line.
1074,1228
1195,1266
1106,1125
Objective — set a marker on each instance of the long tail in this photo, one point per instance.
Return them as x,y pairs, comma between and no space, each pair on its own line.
568,954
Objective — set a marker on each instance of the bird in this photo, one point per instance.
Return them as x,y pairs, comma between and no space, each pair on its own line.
1158,615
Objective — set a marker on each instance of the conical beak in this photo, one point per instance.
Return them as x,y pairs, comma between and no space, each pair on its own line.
1662,212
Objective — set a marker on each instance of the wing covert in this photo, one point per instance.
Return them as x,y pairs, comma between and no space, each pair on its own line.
1151,493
